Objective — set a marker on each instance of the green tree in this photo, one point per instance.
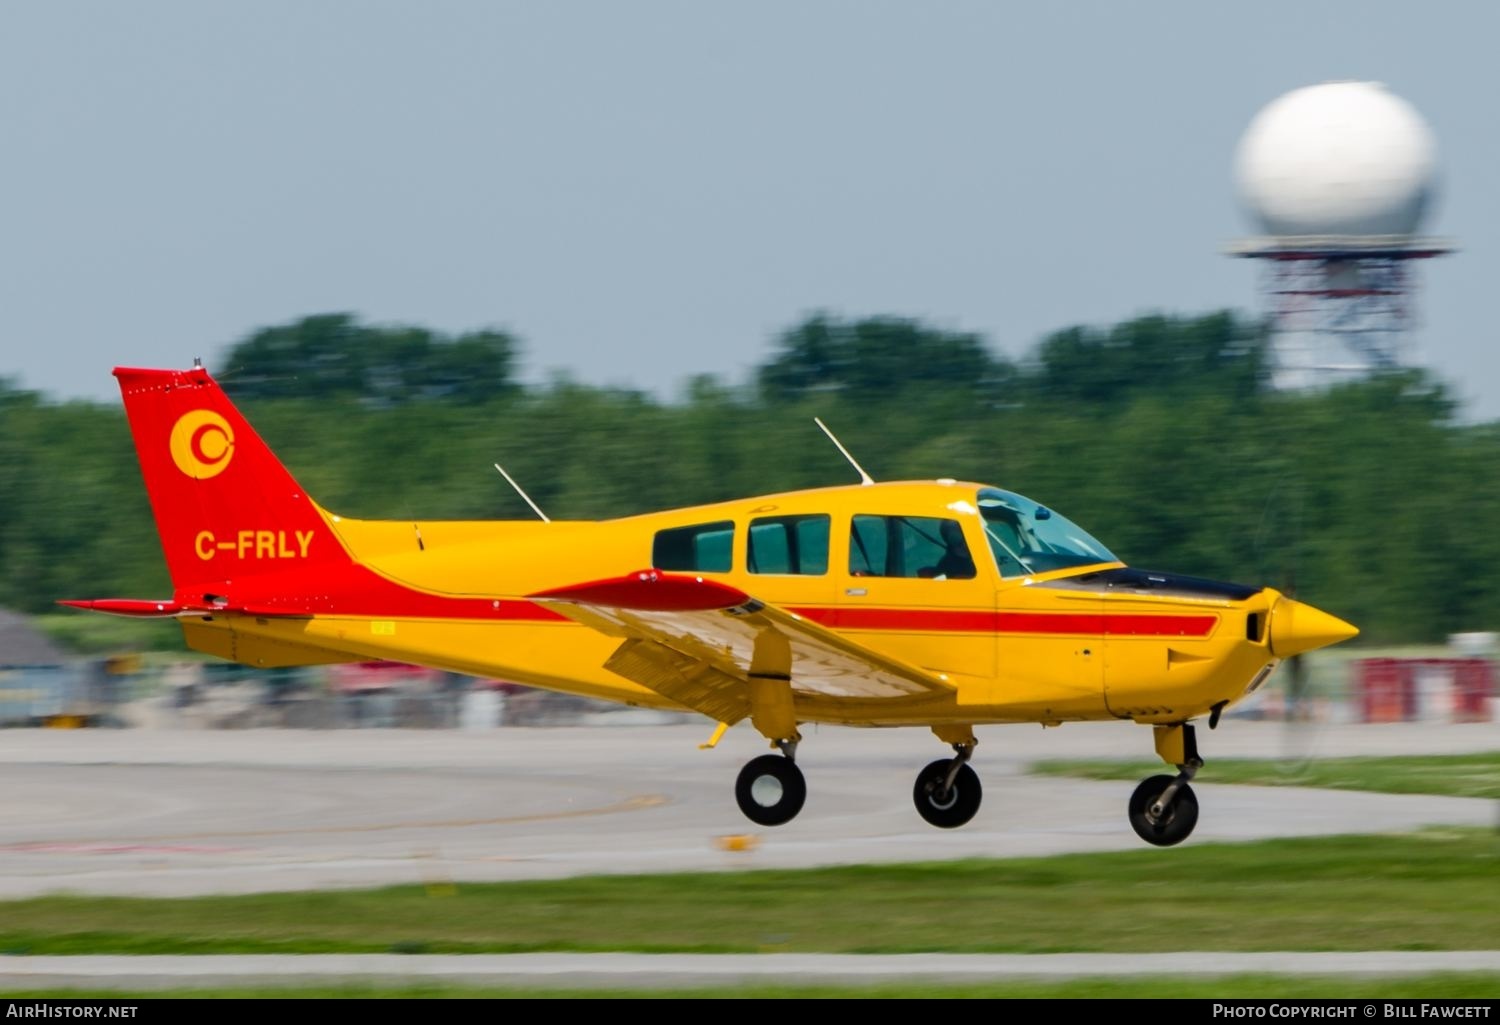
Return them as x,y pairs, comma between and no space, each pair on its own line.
334,355
877,358
1218,353
1158,435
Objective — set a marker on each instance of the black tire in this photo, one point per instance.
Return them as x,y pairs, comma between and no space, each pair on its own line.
1175,824
770,790
955,807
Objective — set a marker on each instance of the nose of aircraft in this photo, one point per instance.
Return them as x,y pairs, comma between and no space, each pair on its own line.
1296,628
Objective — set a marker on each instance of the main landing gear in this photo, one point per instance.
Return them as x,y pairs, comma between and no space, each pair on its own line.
1164,809
947,793
771,789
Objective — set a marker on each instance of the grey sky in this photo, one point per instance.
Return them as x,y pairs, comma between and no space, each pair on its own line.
647,190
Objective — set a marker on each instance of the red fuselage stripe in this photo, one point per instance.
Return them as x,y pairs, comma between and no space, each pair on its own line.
975,621
353,590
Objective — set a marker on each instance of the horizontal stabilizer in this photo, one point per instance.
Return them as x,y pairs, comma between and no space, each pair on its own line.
146,608
140,608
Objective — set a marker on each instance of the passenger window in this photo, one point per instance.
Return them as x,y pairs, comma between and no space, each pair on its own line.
867,547
909,546
703,548
789,544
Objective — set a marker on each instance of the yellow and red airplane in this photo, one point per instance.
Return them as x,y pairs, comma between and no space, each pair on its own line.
940,604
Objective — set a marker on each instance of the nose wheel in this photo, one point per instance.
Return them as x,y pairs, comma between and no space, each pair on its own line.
1164,809
1160,818
770,790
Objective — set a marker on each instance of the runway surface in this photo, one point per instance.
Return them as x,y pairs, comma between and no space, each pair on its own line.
175,813
672,971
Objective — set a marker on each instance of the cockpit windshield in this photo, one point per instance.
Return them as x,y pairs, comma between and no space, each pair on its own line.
1029,538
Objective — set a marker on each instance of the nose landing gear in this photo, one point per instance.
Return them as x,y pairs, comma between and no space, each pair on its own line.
1163,810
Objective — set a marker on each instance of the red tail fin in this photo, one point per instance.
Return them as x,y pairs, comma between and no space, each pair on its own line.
225,507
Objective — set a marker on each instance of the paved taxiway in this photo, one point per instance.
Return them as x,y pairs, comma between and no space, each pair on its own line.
174,813
672,971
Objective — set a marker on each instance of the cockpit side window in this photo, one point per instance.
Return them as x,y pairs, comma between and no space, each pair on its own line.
909,546
703,548
789,544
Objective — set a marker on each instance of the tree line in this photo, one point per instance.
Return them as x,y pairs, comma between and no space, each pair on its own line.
1159,435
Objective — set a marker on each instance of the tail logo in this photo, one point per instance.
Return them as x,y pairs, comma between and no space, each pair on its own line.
202,444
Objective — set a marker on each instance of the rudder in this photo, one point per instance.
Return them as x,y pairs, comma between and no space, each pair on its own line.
225,506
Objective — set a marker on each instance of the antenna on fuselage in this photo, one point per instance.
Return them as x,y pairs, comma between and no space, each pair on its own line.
864,478
512,482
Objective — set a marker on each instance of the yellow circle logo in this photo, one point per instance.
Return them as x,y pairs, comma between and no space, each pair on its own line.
202,444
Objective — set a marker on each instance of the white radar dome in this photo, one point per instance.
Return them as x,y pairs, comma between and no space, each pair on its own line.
1344,158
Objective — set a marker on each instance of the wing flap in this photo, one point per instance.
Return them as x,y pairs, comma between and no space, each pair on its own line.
689,681
708,623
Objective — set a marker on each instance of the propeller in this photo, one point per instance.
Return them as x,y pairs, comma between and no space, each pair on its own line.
1281,519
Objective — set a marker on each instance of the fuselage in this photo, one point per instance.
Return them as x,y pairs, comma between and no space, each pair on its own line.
938,603
1022,633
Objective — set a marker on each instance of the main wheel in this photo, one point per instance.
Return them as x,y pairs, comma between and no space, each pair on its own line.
770,790
950,808
1174,824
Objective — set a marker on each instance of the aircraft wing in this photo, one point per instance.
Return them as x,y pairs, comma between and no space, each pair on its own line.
697,641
